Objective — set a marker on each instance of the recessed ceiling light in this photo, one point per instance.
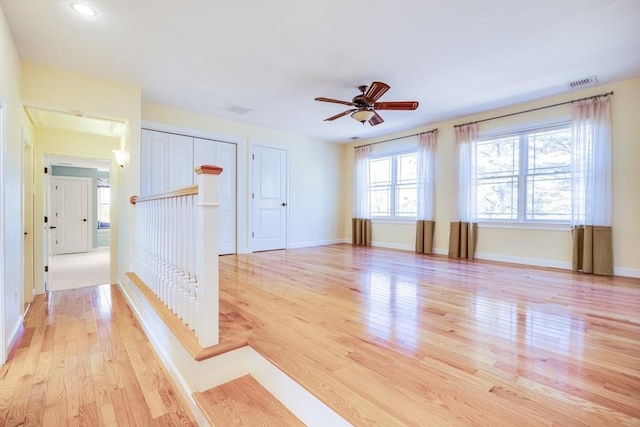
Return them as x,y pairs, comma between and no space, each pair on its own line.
83,9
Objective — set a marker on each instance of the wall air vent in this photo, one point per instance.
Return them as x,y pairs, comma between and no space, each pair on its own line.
587,81
236,109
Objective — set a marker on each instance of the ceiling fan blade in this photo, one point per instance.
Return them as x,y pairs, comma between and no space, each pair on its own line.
401,105
375,91
376,119
335,101
337,116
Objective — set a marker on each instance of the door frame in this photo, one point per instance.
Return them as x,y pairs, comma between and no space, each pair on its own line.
251,172
3,121
89,182
27,204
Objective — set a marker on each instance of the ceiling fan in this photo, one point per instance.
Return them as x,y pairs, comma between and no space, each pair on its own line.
366,104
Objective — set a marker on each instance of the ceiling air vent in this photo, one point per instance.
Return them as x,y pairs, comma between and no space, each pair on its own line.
236,109
587,81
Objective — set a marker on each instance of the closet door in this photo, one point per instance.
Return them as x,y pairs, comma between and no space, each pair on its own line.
223,154
166,162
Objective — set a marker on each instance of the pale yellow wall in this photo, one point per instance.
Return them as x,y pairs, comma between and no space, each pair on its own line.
540,246
61,90
12,271
315,173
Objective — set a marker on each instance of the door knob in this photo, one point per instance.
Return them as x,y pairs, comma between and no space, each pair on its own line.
52,227
84,220
284,204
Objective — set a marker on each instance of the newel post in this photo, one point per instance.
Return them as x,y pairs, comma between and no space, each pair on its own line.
206,252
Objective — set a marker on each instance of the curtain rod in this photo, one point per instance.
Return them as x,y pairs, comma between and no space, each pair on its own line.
535,109
400,137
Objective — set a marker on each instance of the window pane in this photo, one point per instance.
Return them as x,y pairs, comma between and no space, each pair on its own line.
380,171
497,178
497,198
498,157
380,201
549,197
548,180
406,201
407,168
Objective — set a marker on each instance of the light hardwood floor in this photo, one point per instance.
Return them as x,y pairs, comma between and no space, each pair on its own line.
383,337
394,338
84,361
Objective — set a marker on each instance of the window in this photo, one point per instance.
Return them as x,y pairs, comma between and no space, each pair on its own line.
392,186
104,205
524,176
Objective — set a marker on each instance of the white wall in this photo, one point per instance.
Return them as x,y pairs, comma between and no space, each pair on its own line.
12,275
536,247
315,173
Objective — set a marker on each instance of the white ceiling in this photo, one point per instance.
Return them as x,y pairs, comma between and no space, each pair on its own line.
455,57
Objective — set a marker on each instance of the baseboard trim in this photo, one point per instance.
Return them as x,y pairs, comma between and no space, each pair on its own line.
387,245
315,243
535,262
14,339
626,272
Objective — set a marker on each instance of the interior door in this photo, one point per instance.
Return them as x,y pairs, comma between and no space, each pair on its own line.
70,203
269,198
223,154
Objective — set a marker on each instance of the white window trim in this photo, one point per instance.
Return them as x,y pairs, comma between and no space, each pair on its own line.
522,128
394,153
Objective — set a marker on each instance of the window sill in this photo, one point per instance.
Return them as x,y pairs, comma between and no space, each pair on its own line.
403,221
525,225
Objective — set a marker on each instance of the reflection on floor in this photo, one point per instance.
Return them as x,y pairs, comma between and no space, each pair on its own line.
70,271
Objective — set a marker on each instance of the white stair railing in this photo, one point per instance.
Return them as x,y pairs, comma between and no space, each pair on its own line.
176,251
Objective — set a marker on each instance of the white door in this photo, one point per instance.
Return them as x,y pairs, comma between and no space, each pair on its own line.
223,154
166,162
269,198
70,203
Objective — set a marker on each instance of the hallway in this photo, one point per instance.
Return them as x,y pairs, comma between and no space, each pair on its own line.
84,360
70,271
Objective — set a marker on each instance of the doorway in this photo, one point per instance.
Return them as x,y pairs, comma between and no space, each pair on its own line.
269,198
78,227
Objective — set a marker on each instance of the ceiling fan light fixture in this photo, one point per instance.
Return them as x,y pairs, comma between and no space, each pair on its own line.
362,116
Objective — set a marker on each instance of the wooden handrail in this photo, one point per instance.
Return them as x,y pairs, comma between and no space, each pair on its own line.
186,191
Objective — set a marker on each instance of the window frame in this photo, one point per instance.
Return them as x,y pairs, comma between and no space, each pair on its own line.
393,185
522,131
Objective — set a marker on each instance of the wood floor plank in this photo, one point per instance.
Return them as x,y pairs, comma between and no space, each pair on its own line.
75,369
244,402
395,338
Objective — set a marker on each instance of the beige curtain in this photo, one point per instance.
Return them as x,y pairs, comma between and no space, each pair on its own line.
462,239
591,186
425,199
592,252
361,231
424,236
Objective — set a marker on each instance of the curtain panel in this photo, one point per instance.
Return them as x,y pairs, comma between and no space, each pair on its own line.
591,186
361,222
425,224
463,231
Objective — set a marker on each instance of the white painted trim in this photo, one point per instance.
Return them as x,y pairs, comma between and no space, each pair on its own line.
3,341
14,333
387,245
626,272
547,226
535,262
315,243
304,405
